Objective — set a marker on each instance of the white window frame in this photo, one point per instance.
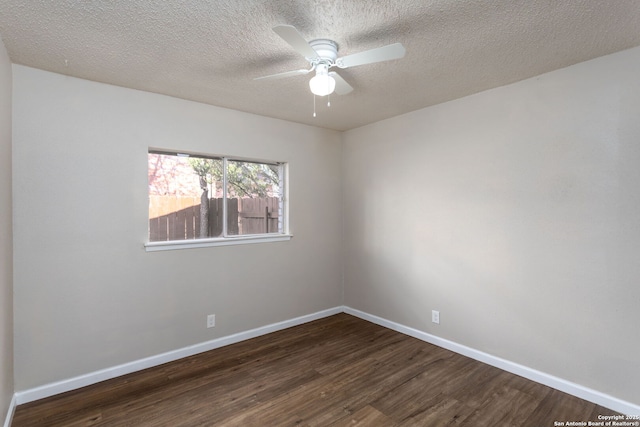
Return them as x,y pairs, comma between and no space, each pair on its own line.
225,239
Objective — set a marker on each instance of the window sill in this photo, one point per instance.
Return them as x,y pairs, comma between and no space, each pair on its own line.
206,243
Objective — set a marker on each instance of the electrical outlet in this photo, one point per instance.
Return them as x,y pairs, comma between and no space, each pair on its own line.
435,316
211,321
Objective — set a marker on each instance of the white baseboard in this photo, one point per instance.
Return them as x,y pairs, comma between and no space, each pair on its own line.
577,390
48,390
10,411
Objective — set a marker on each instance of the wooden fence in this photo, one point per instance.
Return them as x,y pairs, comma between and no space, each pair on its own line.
244,216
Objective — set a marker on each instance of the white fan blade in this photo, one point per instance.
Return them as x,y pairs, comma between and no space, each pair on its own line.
384,53
285,74
342,87
295,39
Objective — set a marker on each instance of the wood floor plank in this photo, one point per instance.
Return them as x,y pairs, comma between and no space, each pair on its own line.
505,407
367,416
440,377
439,411
336,371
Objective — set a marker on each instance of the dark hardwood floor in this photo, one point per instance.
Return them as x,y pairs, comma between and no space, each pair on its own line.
337,371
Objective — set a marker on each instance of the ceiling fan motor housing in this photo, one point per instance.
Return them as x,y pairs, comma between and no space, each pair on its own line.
327,50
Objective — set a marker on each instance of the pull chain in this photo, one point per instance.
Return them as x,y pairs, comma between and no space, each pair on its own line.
314,105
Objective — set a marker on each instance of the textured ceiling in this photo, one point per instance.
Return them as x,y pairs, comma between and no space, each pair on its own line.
210,51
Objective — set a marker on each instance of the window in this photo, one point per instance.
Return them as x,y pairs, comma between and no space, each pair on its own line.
197,200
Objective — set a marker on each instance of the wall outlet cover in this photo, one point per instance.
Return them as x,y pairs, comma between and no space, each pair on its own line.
211,321
435,316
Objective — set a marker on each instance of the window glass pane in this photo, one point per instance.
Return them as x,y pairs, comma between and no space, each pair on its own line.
254,196
185,197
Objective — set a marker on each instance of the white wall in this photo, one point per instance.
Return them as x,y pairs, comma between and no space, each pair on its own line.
6,239
87,295
516,213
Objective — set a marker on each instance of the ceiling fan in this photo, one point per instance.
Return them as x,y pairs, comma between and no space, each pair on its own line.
322,55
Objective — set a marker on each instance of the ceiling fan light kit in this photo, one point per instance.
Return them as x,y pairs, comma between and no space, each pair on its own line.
322,54
322,84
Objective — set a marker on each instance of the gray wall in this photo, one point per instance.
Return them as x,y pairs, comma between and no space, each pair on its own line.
87,295
515,213
6,239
